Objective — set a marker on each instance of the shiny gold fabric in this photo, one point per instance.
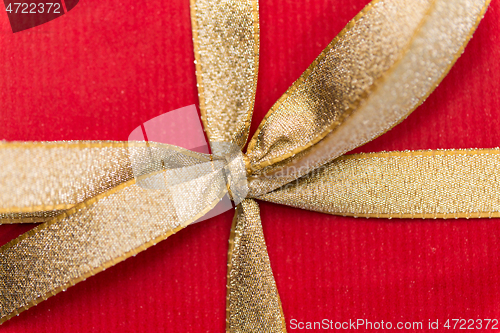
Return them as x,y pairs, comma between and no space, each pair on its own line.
40,180
338,80
107,201
106,227
411,184
226,49
253,303
43,177
408,46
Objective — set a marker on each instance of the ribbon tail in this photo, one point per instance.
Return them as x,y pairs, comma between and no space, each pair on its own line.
41,180
103,231
407,184
253,302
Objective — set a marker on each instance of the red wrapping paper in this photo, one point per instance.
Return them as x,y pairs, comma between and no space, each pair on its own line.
104,68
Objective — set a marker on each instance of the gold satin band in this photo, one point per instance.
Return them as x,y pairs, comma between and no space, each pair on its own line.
253,302
85,240
41,180
36,217
346,104
408,184
226,49
50,177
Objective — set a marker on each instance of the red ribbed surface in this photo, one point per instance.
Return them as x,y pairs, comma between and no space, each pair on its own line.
107,66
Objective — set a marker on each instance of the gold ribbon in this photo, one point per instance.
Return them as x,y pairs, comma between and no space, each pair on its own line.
384,64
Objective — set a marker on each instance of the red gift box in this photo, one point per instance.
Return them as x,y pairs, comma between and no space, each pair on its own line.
106,67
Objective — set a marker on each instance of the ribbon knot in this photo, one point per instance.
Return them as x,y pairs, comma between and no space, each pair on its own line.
194,180
234,170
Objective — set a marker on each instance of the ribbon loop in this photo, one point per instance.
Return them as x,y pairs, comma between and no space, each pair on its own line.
380,68
226,49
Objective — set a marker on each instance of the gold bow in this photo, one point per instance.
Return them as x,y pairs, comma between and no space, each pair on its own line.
384,64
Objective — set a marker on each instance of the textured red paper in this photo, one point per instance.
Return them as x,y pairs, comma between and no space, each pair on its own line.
107,66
